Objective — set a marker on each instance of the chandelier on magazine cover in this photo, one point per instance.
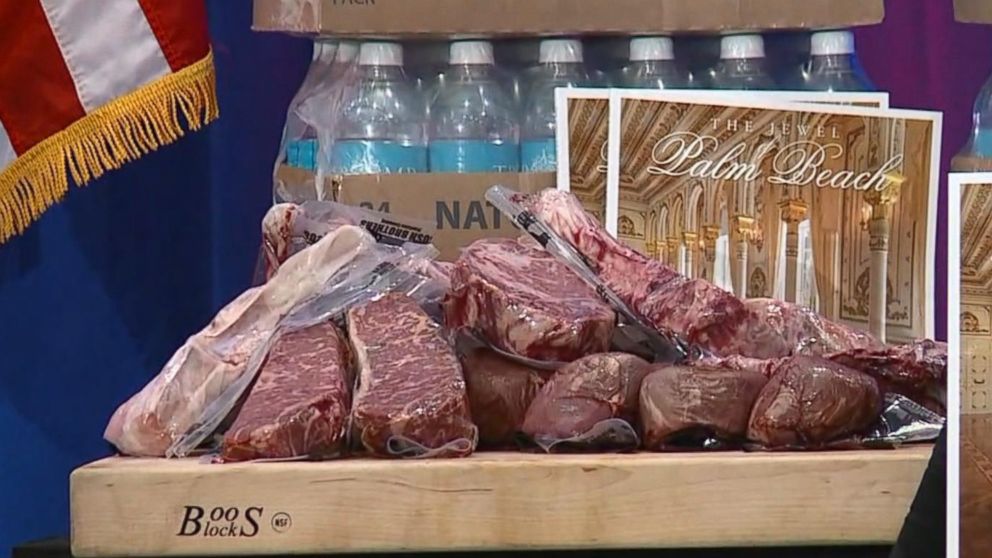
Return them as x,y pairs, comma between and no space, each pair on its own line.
86,86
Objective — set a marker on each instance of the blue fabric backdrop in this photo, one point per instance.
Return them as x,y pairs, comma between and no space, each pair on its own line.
98,294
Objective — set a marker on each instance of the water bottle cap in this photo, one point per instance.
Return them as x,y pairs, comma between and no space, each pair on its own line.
561,50
347,51
825,43
742,46
380,54
651,48
471,52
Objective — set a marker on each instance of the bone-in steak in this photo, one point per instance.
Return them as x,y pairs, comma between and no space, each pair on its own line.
524,301
411,399
300,401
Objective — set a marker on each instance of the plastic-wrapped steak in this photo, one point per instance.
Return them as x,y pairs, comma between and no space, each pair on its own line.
812,401
682,406
522,300
589,404
499,392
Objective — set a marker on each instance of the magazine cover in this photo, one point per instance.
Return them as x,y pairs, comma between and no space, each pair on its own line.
832,207
583,130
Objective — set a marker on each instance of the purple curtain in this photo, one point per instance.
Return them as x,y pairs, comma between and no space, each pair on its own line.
926,60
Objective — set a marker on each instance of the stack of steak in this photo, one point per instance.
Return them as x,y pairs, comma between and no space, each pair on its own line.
521,350
756,329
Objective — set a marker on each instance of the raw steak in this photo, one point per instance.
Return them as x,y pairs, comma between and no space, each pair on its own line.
711,317
762,366
777,328
300,401
916,370
499,393
524,301
596,392
211,360
411,399
683,405
811,401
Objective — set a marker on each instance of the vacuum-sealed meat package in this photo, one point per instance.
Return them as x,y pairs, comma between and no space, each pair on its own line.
590,404
917,370
684,407
288,228
300,402
197,388
521,300
811,402
500,390
411,399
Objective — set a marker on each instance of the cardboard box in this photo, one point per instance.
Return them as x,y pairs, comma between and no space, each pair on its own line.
455,202
970,11
435,18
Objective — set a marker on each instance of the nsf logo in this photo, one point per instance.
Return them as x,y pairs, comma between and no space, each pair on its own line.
281,522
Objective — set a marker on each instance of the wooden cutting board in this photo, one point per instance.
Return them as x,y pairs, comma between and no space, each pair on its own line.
493,501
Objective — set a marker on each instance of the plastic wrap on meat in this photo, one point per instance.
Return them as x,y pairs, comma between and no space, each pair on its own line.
300,401
524,301
764,366
682,406
436,270
712,318
591,403
411,399
812,401
499,392
916,370
701,312
213,359
288,228
776,328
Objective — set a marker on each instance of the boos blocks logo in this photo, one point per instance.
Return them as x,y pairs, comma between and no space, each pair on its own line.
225,522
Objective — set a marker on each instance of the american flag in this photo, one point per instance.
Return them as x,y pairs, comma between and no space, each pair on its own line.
87,85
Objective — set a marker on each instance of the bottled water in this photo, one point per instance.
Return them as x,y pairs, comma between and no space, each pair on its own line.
560,65
834,65
742,64
427,63
516,66
301,140
652,65
473,123
383,126
977,153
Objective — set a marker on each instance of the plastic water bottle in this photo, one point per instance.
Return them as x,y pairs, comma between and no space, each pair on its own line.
652,65
516,63
426,63
742,64
977,153
834,66
383,125
560,65
473,123
301,140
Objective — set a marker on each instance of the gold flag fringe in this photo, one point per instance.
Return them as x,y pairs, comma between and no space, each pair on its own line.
116,133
